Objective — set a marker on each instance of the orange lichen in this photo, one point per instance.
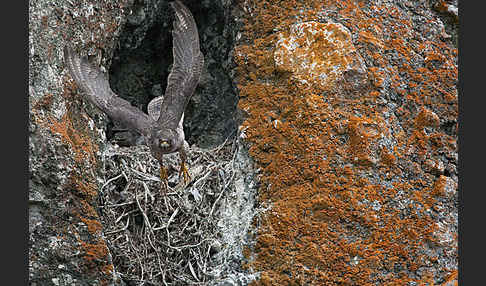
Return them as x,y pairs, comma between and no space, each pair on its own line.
71,133
426,118
369,38
451,279
330,222
94,253
84,189
439,186
361,140
387,158
108,269
81,144
94,225
95,250
443,7
45,102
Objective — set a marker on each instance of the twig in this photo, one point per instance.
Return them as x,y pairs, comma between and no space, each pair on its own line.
225,186
167,227
109,181
118,230
192,271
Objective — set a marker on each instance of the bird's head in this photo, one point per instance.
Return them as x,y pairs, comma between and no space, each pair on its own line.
164,141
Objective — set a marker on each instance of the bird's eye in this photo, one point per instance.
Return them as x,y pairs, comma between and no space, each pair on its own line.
164,144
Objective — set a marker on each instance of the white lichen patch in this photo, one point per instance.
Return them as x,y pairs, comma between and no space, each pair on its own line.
316,53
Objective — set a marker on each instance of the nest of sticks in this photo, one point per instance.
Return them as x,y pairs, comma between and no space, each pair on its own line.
169,237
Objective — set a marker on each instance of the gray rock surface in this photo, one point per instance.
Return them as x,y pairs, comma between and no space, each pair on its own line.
66,244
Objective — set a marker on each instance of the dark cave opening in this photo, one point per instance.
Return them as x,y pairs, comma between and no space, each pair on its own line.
142,62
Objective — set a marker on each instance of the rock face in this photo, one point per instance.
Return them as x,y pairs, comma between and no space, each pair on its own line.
343,173
352,117
66,244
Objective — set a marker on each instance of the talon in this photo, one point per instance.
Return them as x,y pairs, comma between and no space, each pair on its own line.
183,170
185,173
163,178
163,173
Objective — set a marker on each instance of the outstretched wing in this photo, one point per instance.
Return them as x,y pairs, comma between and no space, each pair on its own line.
186,69
153,108
97,89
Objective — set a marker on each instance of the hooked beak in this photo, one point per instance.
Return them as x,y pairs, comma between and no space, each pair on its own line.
164,144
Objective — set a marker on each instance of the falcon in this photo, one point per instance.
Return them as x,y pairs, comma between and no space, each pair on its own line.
161,128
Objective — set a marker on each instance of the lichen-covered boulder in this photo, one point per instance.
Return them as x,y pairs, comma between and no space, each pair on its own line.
319,54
